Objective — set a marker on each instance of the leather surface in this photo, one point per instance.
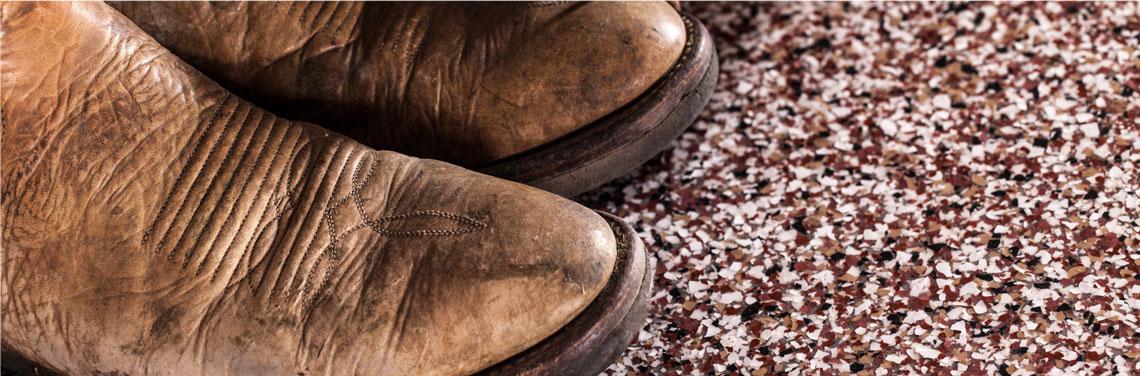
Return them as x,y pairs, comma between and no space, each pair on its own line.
465,83
154,223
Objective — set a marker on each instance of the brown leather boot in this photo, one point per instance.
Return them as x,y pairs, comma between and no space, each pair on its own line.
559,95
156,224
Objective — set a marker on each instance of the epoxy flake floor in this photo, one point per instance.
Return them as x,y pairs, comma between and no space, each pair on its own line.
900,188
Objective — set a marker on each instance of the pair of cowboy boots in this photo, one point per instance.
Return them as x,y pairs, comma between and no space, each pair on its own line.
157,222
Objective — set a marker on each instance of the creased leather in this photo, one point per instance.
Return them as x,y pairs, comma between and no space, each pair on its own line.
153,223
465,83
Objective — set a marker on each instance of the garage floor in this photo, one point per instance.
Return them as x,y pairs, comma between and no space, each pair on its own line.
885,188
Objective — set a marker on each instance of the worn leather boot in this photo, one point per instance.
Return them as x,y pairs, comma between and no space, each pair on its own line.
156,224
559,95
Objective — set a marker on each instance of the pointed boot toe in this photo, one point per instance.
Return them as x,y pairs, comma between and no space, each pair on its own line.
485,268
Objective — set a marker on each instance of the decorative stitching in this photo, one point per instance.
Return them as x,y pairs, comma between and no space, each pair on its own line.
331,251
325,22
338,174
182,174
307,7
181,206
471,224
340,27
298,148
330,254
272,199
540,4
230,214
213,186
225,190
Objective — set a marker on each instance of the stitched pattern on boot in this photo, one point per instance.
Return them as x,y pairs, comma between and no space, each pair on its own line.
332,251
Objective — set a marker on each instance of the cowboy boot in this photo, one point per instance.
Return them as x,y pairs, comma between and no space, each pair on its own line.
559,95
156,224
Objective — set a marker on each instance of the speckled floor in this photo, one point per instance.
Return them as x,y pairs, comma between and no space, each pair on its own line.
900,188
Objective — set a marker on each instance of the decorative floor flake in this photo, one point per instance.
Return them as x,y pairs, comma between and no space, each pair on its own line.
900,188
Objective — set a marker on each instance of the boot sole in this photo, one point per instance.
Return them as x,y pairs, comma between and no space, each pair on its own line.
623,140
598,335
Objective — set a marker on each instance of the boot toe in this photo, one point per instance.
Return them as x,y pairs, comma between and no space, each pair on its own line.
586,62
501,267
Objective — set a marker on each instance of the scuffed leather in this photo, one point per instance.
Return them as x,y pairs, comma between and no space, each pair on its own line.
155,224
465,83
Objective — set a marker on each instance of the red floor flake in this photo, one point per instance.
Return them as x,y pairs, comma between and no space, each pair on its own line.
900,188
